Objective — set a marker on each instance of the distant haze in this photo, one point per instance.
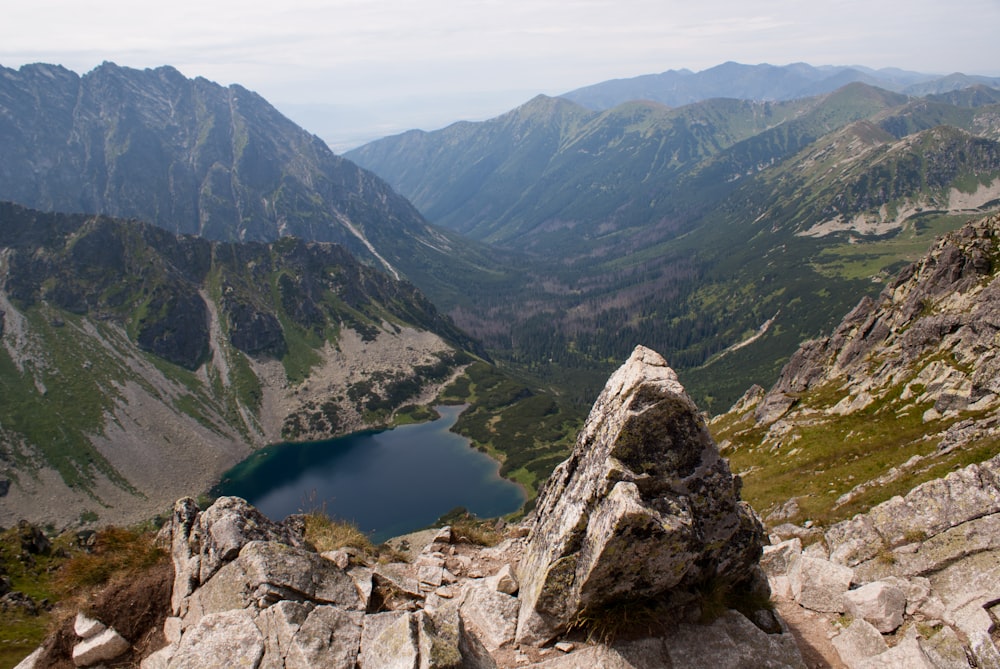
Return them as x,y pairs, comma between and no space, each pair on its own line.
352,70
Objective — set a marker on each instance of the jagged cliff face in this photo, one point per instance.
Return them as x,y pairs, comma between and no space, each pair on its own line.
905,388
137,365
193,157
947,303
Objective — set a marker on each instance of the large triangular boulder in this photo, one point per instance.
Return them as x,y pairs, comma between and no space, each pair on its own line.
644,510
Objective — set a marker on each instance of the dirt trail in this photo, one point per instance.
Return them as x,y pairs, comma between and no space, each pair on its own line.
811,631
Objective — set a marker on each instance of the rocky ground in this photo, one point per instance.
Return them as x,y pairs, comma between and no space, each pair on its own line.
912,583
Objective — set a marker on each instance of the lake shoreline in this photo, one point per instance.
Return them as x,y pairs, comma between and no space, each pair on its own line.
387,481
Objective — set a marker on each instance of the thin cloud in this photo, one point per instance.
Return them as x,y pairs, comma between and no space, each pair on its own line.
408,55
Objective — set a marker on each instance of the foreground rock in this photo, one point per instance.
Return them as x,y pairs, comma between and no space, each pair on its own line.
644,509
918,574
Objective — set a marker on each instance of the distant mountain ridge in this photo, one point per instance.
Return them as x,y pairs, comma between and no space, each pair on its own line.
676,88
643,217
195,157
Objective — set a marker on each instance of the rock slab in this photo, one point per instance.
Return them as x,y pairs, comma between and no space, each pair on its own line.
644,508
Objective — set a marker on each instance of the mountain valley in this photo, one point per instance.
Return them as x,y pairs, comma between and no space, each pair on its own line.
641,217
185,277
138,364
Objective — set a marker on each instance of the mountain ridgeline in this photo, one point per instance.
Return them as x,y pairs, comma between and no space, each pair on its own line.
194,157
136,362
721,232
764,82
605,228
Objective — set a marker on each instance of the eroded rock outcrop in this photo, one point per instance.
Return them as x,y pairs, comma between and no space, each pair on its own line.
922,569
949,301
643,509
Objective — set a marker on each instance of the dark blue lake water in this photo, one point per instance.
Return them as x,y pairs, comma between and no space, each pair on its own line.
388,483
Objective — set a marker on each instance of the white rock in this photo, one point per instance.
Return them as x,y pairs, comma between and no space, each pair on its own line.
443,536
905,655
431,575
390,641
945,650
984,650
330,638
341,558
226,639
880,603
107,645
160,659
819,585
85,627
780,586
172,628
858,642
493,614
504,581
776,560
816,550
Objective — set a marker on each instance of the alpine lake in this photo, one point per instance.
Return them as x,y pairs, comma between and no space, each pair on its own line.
387,482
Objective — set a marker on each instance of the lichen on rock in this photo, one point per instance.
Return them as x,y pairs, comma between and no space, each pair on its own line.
644,509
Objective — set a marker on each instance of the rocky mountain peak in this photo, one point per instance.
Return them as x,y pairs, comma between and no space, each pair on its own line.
194,157
947,301
643,509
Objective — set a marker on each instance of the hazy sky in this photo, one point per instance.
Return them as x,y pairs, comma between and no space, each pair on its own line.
350,70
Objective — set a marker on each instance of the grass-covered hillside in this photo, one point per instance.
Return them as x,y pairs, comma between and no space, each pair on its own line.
136,364
904,390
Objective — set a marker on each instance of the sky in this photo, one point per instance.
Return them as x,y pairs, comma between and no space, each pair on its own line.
355,70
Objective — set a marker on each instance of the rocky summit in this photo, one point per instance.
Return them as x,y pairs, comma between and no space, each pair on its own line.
643,518
643,509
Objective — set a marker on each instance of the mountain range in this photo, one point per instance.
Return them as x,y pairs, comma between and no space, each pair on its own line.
676,88
640,218
194,157
723,233
186,276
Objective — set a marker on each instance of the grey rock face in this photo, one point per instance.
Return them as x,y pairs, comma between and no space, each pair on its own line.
947,301
644,508
819,585
879,603
201,542
859,642
227,639
494,615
